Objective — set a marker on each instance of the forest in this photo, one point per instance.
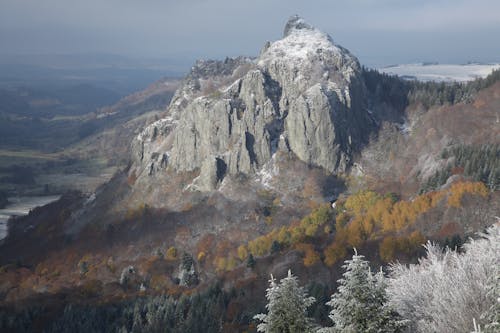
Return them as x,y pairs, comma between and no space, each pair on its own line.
446,291
400,93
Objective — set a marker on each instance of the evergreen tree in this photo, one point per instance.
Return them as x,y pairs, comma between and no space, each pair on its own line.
275,247
360,302
286,308
250,261
187,272
479,162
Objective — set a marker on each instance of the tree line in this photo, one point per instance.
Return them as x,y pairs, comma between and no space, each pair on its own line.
447,292
478,162
399,92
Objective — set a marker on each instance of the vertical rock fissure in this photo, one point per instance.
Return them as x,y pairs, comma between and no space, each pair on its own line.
277,126
221,169
249,145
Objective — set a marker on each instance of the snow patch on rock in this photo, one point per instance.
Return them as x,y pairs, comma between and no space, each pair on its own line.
299,45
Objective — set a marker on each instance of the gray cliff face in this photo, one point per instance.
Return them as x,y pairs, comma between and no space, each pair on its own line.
303,95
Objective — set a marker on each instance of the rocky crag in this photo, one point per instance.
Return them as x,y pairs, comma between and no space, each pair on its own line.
302,95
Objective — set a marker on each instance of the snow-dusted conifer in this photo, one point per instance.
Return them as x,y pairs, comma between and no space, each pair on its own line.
447,291
286,308
360,302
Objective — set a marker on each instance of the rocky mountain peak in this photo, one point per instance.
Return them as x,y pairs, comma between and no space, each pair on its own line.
294,23
301,39
303,95
310,54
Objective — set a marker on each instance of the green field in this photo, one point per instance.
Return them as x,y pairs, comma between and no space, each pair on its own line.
34,172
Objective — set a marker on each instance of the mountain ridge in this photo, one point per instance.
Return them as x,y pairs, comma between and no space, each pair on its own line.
302,95
220,188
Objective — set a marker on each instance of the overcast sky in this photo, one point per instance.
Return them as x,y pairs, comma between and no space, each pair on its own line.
377,31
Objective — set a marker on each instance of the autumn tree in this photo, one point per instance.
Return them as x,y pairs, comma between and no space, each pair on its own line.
334,252
242,252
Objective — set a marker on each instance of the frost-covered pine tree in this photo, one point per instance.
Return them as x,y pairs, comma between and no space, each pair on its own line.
286,308
448,291
360,302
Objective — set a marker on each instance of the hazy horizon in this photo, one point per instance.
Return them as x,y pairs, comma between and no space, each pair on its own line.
378,32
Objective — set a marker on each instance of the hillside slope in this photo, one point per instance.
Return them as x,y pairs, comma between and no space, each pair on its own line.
288,160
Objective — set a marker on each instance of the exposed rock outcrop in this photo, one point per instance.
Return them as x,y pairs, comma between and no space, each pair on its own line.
303,94
188,276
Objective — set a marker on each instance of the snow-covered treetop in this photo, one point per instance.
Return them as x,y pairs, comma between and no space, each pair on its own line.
287,307
447,291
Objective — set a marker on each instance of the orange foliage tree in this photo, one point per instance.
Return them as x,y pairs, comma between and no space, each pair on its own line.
334,253
458,190
311,257
392,246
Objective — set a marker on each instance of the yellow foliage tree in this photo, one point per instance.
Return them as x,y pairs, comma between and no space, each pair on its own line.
242,252
355,234
297,234
284,236
231,263
220,264
361,201
171,253
260,246
201,256
311,230
379,209
388,248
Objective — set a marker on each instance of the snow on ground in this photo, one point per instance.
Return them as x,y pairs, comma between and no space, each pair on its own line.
441,72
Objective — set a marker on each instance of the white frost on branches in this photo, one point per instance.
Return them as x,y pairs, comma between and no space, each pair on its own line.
360,302
286,308
448,291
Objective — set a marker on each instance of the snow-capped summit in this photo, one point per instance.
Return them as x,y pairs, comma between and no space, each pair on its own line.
302,41
296,23
302,95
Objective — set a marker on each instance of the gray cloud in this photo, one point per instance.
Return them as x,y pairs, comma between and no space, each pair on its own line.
378,31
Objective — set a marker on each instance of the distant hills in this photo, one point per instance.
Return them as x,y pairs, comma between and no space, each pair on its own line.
441,72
